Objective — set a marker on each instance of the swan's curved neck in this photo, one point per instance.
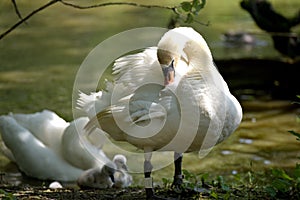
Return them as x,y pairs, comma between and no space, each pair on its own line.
199,56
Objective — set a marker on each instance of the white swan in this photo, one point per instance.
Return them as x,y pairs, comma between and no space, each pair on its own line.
37,155
167,98
47,147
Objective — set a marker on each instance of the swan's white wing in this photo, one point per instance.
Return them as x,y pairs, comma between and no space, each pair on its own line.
32,156
96,101
46,126
134,71
130,72
76,148
150,111
87,102
138,81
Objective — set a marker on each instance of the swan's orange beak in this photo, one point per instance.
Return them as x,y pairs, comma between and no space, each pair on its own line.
169,73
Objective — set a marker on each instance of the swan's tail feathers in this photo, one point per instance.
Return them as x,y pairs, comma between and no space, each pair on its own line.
86,102
94,102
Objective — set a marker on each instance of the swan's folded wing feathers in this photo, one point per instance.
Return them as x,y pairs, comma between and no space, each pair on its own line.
85,101
138,69
95,102
146,110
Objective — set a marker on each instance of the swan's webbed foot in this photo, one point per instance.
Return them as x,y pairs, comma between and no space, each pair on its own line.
178,177
149,194
177,184
178,180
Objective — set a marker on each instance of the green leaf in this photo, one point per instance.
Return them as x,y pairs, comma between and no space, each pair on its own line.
281,185
280,173
7,195
271,191
165,181
297,171
296,102
214,195
195,3
189,18
204,176
186,6
197,6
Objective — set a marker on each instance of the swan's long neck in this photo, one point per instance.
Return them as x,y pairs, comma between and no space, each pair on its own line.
200,64
199,56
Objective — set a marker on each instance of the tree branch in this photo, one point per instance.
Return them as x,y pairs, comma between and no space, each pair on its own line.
116,4
27,17
16,9
23,20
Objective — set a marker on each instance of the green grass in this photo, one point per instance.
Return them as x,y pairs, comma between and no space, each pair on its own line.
271,184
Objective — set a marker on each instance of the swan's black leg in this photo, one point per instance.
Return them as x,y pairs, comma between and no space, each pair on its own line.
178,177
148,179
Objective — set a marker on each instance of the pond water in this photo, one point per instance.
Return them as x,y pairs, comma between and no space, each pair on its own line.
39,61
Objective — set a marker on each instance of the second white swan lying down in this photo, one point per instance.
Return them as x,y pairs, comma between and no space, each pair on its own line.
46,147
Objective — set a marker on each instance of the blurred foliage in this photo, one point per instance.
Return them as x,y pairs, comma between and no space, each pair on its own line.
185,10
191,9
7,195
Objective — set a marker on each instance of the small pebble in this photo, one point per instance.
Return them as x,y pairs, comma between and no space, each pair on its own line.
267,162
55,185
234,172
245,141
226,152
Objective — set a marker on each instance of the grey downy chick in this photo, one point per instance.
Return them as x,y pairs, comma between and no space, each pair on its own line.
97,177
121,176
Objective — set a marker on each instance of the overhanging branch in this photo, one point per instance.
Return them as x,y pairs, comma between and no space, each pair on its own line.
16,9
23,20
27,17
117,4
